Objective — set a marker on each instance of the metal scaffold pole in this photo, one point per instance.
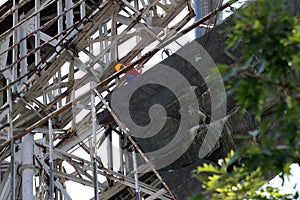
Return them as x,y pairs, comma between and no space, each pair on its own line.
37,35
133,142
202,8
136,176
12,144
27,168
51,176
109,151
9,100
94,141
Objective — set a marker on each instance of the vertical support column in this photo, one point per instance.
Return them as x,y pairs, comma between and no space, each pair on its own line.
69,14
60,18
37,39
136,4
109,151
51,177
91,60
2,84
101,44
136,176
104,44
107,57
59,103
72,85
128,157
23,52
37,54
4,44
60,194
138,39
27,167
12,145
82,10
122,163
114,49
94,141
15,49
42,177
59,30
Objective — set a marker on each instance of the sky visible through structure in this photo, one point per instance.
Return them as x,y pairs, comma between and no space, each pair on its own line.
2,2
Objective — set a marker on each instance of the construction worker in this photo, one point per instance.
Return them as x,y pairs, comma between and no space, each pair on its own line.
130,74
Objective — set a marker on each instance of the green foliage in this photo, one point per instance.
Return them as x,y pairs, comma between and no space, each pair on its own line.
270,39
240,183
267,84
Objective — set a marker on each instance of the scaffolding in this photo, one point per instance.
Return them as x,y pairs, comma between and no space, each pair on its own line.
204,7
57,63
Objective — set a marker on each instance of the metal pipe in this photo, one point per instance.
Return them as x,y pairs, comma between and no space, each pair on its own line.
101,43
127,163
127,133
109,151
27,167
59,103
50,22
69,15
57,183
24,20
12,146
128,181
113,31
121,145
60,18
94,141
13,9
37,54
82,10
151,53
51,177
42,184
37,35
45,60
59,30
136,176
15,49
23,52
157,194
12,177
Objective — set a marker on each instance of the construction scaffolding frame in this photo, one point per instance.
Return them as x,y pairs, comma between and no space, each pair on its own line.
57,63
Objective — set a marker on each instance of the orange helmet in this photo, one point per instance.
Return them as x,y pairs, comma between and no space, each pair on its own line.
118,66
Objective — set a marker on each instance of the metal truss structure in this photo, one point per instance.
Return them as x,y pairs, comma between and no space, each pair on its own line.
57,63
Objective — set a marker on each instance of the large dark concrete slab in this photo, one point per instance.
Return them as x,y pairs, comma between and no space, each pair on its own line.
178,174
